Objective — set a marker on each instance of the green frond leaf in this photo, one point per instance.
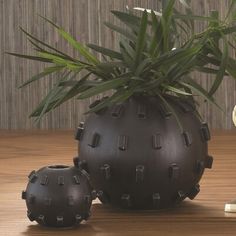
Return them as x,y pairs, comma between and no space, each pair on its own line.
35,58
222,69
76,88
194,17
77,45
47,103
47,71
141,39
127,18
176,90
118,97
31,38
102,87
172,110
120,30
106,51
127,54
200,91
58,60
82,49
156,29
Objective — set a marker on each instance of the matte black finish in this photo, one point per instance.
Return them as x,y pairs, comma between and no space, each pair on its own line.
138,158
58,196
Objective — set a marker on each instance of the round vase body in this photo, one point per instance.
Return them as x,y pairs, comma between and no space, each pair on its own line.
58,196
138,157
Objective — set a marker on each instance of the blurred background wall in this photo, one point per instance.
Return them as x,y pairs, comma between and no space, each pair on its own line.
84,20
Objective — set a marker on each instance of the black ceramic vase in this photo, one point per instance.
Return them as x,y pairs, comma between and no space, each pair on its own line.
138,158
58,196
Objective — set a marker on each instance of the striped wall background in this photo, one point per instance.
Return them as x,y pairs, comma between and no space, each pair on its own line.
83,19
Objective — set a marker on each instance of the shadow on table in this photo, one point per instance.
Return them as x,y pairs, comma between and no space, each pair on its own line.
189,207
107,219
84,229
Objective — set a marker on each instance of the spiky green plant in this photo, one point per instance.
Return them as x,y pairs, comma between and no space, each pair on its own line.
157,53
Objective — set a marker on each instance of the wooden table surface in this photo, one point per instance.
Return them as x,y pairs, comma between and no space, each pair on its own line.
21,152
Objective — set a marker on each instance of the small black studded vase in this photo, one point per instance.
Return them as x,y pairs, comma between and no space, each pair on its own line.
58,196
138,157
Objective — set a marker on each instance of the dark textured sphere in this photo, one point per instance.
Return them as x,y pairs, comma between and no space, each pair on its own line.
138,157
58,196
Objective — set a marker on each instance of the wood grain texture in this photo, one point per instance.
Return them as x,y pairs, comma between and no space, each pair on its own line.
84,20
21,152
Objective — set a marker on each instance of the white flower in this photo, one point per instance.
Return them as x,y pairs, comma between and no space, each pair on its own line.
234,115
148,10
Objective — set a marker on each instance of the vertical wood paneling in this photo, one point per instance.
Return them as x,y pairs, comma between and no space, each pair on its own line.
84,20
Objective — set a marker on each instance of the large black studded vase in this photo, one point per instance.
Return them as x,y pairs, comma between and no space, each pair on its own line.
138,157
58,196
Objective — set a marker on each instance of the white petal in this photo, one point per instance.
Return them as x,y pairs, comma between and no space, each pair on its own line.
148,10
234,115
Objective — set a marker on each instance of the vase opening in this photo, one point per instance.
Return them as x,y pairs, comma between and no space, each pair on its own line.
58,167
